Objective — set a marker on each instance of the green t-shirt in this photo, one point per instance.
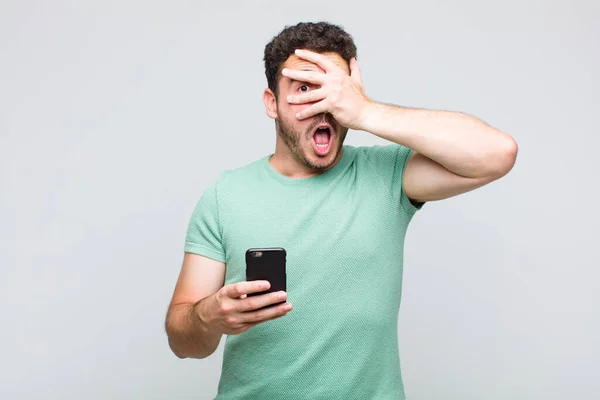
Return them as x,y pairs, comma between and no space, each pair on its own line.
343,231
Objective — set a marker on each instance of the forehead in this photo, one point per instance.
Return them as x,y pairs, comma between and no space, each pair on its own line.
295,62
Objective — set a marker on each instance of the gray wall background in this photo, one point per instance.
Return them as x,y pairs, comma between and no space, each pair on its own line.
115,115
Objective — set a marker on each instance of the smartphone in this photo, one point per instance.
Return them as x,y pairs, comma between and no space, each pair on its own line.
267,263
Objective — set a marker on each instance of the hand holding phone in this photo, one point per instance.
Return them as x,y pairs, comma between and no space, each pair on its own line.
237,307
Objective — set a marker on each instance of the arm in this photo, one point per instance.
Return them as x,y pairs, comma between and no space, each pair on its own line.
453,152
189,335
203,309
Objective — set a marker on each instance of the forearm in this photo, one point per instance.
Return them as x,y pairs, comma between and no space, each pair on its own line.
461,143
189,336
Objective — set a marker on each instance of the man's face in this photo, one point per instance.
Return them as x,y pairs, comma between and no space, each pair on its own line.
316,141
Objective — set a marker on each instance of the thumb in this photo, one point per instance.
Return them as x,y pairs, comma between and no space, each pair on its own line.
355,70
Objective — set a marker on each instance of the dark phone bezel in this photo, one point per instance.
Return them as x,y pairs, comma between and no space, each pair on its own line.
267,249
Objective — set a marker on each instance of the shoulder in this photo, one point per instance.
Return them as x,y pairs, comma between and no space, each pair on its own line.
242,173
228,180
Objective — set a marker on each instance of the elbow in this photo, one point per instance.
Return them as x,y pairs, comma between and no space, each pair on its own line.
183,353
505,158
173,345
509,155
179,354
174,340
185,339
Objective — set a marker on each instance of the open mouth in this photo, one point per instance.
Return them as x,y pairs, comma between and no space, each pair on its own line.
322,139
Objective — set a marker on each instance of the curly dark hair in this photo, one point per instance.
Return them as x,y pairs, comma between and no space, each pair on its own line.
320,37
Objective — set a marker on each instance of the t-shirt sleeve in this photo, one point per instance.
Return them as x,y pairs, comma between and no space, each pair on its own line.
204,233
391,161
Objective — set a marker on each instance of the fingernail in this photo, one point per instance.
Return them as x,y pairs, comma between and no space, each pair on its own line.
289,98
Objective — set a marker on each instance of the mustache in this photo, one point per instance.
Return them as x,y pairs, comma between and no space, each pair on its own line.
322,118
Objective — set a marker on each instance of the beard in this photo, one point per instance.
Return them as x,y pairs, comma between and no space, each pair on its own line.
292,138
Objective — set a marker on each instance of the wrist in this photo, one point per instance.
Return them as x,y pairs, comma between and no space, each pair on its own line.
388,122
370,113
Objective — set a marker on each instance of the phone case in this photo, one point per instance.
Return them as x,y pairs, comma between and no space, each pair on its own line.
269,266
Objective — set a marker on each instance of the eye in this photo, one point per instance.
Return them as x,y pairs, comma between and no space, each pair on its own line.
303,88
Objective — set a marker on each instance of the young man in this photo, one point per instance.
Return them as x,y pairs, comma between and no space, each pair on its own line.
341,212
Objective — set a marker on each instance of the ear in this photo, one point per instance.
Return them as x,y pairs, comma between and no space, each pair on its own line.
270,103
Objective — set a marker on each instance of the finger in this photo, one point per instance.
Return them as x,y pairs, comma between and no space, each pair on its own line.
266,314
308,97
317,108
304,76
255,302
248,325
355,70
238,289
318,59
